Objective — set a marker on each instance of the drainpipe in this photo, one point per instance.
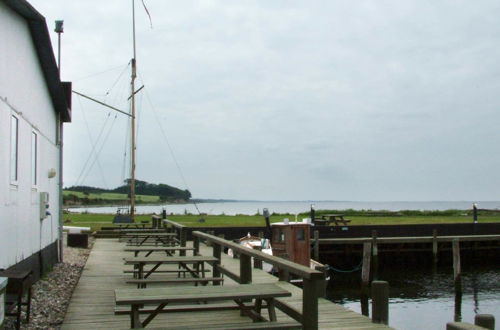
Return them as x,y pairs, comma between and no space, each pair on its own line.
60,29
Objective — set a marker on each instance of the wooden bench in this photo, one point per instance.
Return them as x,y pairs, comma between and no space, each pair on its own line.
198,263
169,250
161,297
202,280
139,239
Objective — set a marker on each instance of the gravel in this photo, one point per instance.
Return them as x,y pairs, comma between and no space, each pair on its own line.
51,294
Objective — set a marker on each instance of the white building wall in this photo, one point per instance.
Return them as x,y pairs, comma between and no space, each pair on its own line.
23,93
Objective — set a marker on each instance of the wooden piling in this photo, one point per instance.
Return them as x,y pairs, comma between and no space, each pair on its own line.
380,302
316,246
375,255
434,247
456,265
485,320
365,271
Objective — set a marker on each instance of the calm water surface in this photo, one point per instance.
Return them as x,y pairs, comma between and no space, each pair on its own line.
421,299
249,208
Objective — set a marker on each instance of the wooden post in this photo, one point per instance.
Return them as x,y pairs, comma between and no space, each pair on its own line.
365,271
380,302
316,246
257,263
309,305
183,234
456,265
216,252
485,320
196,245
375,255
322,284
364,304
434,247
245,269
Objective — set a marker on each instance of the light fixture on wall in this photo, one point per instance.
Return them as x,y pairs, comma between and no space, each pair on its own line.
52,173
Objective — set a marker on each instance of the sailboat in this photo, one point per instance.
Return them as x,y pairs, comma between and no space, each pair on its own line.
127,214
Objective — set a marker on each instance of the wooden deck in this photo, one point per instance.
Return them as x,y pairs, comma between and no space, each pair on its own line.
92,305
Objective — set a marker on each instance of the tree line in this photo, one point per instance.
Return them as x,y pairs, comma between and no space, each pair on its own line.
164,191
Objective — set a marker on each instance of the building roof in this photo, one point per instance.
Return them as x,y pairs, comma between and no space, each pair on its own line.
60,92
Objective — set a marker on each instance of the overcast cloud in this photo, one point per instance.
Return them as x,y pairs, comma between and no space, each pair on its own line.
291,100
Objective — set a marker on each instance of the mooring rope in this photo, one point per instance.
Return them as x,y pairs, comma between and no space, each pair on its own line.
357,268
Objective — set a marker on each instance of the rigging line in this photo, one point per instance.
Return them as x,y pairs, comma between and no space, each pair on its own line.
91,141
98,73
96,159
169,146
138,124
124,164
118,79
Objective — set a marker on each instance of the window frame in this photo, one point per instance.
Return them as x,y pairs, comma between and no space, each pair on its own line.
14,150
34,159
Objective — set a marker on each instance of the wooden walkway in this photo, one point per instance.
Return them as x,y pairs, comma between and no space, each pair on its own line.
92,305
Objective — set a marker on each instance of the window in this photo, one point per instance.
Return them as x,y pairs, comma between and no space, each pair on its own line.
14,135
301,236
34,158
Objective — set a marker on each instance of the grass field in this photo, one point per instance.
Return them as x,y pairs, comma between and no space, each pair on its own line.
96,221
112,196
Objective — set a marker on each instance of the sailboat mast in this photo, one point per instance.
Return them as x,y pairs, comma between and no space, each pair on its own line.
132,121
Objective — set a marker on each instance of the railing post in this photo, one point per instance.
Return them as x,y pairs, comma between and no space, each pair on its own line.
183,236
380,302
309,304
322,284
196,245
216,252
257,263
245,269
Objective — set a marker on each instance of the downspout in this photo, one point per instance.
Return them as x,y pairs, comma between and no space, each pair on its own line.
59,29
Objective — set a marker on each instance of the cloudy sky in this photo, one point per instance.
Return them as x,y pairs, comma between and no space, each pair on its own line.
289,100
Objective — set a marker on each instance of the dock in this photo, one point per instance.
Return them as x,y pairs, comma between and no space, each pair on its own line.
92,305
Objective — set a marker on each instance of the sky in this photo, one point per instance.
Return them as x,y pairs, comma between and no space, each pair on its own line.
288,100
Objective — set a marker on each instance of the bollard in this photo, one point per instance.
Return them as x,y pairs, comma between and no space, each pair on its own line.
380,302
485,320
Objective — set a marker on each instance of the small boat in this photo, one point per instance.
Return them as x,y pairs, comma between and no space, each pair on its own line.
264,245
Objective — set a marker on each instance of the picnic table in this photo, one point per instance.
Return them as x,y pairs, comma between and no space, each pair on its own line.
169,250
327,219
139,239
188,296
197,271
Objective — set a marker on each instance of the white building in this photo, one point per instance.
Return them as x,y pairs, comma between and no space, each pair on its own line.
33,106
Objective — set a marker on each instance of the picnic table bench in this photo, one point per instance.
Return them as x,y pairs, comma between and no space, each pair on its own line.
18,286
139,239
169,250
161,297
197,271
336,219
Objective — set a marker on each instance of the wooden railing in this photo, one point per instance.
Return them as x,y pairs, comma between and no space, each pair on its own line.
313,280
180,230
